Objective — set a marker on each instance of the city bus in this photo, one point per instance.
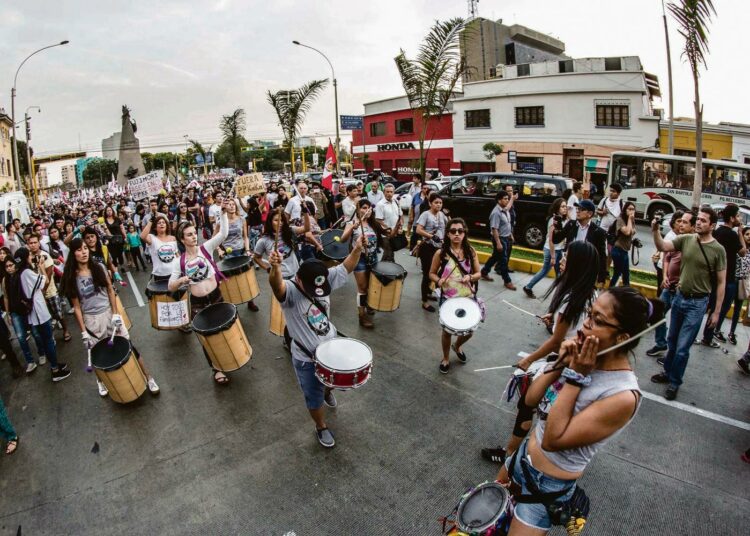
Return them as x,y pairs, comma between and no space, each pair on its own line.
655,181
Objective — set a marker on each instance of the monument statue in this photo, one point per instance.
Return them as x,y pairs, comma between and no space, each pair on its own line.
130,163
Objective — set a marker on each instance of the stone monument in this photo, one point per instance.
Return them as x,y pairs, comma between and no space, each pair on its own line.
130,163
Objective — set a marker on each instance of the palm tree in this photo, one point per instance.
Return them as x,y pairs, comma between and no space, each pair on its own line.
199,149
692,17
292,107
232,126
430,79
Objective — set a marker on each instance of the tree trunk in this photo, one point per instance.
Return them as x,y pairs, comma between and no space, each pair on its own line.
698,181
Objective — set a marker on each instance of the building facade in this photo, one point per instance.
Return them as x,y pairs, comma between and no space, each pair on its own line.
68,174
42,181
390,140
111,146
558,117
722,141
81,164
7,176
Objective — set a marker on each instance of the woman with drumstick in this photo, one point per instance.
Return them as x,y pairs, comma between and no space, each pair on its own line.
431,228
88,287
196,269
455,270
280,236
364,224
584,400
237,242
162,246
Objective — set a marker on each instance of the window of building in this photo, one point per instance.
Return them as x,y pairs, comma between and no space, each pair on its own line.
613,115
613,64
405,126
530,116
523,69
377,129
565,66
477,118
688,152
530,164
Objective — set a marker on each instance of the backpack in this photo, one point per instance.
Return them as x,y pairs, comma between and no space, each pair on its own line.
17,299
612,231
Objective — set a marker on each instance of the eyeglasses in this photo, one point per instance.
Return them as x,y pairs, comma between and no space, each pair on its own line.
597,320
456,231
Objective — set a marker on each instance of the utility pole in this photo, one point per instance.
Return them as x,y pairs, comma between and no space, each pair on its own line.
670,149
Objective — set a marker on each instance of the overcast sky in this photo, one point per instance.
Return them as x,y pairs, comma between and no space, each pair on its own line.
180,65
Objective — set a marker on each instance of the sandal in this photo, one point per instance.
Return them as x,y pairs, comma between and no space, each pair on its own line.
221,380
68,337
12,446
428,308
461,355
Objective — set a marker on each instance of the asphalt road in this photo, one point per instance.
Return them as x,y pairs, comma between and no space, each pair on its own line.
243,459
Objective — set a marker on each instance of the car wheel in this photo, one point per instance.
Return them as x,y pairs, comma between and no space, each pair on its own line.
533,235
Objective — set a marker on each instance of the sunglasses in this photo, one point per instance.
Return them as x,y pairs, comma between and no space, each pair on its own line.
456,231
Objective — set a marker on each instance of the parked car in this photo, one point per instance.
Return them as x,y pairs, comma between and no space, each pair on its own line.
472,197
404,199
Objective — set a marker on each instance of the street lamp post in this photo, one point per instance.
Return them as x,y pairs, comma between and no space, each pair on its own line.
29,160
13,108
335,101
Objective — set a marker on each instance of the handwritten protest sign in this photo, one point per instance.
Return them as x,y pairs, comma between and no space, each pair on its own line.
249,184
172,314
145,185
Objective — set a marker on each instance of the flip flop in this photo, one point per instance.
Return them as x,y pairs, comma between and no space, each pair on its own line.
68,338
13,443
223,380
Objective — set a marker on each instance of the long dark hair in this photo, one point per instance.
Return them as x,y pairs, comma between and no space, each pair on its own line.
286,230
554,208
577,284
465,245
624,211
166,221
69,282
634,312
375,224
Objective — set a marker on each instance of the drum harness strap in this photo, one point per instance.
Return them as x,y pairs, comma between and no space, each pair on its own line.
474,287
210,258
322,309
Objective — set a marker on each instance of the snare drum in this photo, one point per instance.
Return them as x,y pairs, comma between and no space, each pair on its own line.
241,285
166,312
334,251
222,336
343,363
460,316
117,368
485,510
385,286
278,322
121,311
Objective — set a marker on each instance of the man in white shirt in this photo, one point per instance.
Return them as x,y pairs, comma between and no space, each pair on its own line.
573,201
388,214
609,209
294,206
349,204
375,195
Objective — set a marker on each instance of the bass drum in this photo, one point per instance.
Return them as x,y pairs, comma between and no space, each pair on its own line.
240,285
334,250
117,368
221,334
385,286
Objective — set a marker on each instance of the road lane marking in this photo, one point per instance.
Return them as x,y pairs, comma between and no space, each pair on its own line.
493,368
135,290
697,411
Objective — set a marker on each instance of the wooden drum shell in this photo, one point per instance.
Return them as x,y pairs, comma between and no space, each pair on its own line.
384,298
164,298
229,349
126,383
121,311
277,322
240,288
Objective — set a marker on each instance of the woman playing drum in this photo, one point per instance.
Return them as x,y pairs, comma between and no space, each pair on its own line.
196,268
86,284
162,246
455,270
364,223
287,238
237,242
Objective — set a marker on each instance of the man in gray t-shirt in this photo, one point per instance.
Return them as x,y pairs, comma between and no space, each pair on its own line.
501,230
307,309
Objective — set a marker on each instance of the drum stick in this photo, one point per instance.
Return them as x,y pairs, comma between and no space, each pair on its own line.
88,363
278,229
524,311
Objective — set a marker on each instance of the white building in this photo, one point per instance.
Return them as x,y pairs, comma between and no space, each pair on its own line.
111,146
560,117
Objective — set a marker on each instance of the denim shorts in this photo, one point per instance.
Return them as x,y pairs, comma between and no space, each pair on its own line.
535,515
311,386
361,265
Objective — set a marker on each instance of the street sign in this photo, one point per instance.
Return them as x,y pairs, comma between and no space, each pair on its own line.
315,159
351,122
209,159
512,157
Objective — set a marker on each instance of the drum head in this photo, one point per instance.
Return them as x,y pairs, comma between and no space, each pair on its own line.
460,313
343,354
234,265
157,287
215,318
390,270
106,357
482,508
333,249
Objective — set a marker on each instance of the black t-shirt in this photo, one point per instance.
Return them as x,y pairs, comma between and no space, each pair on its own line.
731,241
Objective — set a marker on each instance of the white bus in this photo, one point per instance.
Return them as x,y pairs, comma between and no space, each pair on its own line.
655,181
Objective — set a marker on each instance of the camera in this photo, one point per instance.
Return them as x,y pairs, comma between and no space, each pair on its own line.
659,216
637,243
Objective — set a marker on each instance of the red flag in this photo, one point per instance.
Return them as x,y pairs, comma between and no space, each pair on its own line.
330,165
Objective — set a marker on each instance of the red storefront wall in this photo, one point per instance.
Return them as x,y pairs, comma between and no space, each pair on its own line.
398,154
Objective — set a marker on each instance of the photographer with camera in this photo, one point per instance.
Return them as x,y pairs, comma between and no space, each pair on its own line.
554,243
624,233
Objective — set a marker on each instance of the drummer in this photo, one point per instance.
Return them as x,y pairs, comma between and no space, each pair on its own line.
287,237
89,289
237,242
455,270
161,245
197,269
364,222
100,253
306,304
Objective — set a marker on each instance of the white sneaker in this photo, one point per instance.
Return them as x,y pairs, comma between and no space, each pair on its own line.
42,359
153,387
102,389
31,367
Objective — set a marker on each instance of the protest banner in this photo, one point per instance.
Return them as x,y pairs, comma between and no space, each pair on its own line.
249,184
145,185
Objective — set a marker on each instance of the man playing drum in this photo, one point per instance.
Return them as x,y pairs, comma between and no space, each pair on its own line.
306,304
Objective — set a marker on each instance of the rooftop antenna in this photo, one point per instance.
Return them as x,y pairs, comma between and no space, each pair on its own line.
473,9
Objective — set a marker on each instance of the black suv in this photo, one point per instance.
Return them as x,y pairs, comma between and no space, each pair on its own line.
472,197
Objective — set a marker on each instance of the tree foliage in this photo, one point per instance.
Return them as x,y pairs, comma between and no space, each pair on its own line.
430,79
98,172
232,128
292,107
492,150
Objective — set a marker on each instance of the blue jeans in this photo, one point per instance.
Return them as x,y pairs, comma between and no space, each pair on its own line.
684,325
730,294
311,386
541,274
21,326
621,263
500,258
6,428
44,333
306,251
661,331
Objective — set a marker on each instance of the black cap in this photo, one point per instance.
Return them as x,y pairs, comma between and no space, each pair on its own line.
314,277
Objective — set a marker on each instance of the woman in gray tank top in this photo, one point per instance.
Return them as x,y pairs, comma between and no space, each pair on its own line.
583,402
